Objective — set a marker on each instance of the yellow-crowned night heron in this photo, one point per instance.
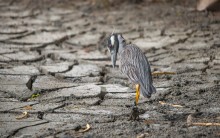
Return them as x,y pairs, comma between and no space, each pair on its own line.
133,63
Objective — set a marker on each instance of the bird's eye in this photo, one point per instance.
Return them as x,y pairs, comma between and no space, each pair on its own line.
110,46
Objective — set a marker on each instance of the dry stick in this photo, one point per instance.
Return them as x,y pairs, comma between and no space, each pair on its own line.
163,73
173,105
191,123
205,124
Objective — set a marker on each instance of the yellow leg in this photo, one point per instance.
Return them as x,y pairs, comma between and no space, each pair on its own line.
137,93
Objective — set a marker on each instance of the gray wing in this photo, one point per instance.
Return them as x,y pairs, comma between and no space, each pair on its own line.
137,68
130,71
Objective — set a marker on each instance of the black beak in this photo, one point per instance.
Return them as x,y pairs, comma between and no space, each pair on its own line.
113,58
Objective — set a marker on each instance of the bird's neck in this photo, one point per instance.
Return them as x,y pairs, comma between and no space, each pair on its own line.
121,47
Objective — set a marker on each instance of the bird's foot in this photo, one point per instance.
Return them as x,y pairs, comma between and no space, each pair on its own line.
134,112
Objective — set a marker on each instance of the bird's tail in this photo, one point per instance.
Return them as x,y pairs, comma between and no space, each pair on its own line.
146,92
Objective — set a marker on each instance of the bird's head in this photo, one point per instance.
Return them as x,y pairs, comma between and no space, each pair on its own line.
115,43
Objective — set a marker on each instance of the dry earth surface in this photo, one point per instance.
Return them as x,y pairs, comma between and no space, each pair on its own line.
54,66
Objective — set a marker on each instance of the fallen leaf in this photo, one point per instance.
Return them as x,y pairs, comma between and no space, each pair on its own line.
143,135
28,107
23,115
33,96
88,127
149,121
189,120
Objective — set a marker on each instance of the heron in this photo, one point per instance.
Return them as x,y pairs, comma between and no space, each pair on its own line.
133,63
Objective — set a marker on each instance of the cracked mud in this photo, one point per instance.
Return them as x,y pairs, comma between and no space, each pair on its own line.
53,64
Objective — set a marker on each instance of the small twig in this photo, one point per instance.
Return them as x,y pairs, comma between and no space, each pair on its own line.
205,124
191,123
163,73
173,105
